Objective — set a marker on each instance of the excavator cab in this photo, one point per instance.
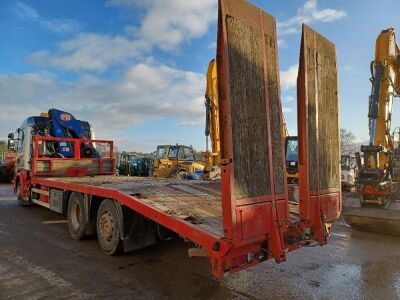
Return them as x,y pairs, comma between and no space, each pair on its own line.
292,158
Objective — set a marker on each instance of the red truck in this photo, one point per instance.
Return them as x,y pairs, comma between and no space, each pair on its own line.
7,166
241,221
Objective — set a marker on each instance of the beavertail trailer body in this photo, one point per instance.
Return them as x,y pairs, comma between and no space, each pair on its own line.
245,219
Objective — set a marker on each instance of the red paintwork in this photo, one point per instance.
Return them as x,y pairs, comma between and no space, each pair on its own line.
25,180
73,171
371,189
44,198
318,208
243,225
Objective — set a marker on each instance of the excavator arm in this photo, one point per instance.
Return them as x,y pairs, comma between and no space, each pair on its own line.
377,171
375,177
212,116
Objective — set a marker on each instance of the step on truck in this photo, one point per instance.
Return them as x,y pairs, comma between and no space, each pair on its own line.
239,222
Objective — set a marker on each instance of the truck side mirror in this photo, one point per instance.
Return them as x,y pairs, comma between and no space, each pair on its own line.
11,144
11,136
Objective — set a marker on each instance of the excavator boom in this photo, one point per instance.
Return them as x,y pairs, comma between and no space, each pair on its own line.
376,175
212,116
377,179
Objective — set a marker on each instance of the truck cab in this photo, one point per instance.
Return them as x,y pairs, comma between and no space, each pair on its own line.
21,141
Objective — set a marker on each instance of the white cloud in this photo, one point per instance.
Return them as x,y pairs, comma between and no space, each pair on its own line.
166,25
212,46
90,52
169,23
144,93
287,109
191,123
348,68
289,77
309,13
28,13
282,43
289,98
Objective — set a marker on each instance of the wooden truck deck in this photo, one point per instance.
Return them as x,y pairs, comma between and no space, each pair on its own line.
198,202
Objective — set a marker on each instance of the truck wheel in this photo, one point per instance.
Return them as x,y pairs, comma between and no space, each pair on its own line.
20,199
76,216
108,231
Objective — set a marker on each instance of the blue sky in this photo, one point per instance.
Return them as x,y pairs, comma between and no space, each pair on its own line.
135,68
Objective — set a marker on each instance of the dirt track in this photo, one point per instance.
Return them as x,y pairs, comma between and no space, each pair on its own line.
38,259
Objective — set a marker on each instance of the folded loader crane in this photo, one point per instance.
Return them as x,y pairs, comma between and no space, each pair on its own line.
245,219
378,175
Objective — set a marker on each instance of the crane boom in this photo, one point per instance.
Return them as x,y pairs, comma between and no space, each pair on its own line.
376,175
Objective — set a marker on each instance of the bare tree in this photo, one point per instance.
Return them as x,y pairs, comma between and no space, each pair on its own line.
348,145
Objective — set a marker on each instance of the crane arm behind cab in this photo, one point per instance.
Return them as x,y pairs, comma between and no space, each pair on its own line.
376,174
64,125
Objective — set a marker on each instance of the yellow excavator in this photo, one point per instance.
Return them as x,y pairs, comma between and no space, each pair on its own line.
291,154
212,171
378,209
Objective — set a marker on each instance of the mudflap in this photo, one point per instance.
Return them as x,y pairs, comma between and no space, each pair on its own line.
137,232
140,242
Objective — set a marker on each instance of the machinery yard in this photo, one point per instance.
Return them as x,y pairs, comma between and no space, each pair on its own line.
354,264
111,200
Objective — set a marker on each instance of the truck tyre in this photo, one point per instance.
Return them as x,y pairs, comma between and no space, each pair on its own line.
76,216
20,199
108,231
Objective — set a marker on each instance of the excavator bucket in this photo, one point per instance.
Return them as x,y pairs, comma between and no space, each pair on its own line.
318,134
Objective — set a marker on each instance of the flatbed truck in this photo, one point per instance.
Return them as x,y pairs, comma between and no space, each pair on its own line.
246,218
